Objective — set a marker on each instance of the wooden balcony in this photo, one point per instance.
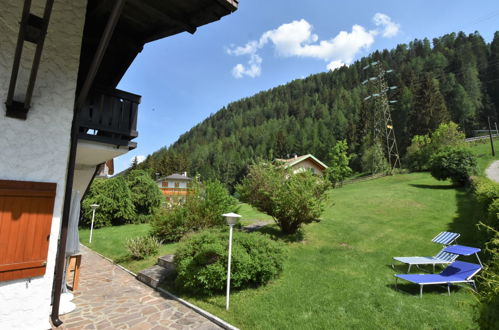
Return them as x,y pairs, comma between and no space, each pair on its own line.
110,117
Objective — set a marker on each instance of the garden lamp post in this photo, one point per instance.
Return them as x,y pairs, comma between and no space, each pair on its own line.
94,207
232,219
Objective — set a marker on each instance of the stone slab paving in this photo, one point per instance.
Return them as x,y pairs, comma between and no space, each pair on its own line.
110,298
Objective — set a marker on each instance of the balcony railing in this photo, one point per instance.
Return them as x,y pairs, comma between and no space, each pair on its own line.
110,117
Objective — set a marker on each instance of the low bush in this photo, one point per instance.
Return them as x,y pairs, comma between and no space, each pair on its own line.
142,246
169,224
203,208
488,295
201,261
485,190
292,199
457,164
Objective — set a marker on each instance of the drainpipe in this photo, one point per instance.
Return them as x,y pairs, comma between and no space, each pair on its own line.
61,249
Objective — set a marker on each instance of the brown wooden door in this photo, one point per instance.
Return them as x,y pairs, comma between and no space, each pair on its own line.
26,210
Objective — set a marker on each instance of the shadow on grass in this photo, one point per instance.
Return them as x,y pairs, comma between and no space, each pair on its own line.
275,233
413,289
433,186
469,214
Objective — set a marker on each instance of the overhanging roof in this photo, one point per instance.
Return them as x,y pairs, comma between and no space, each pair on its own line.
141,21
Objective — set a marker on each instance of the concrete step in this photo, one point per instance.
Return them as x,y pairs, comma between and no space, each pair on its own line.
166,261
156,274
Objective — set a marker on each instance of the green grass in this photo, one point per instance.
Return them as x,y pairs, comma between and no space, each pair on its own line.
110,241
249,214
340,277
483,152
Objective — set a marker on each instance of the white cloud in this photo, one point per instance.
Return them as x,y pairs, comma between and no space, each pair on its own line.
296,39
391,28
253,69
140,159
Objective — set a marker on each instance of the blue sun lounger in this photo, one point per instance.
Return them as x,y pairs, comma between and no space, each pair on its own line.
441,258
457,272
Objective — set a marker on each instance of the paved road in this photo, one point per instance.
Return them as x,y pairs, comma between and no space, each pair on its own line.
110,298
493,171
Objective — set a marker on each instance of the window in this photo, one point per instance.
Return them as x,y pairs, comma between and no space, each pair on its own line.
177,184
26,210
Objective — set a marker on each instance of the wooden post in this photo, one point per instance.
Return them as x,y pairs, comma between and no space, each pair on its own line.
491,140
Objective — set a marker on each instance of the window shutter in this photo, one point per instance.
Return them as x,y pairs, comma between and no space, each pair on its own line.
26,210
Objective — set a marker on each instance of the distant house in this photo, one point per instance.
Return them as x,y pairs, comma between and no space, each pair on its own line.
106,169
304,163
174,187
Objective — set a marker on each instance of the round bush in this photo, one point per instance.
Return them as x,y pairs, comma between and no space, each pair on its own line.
457,164
201,261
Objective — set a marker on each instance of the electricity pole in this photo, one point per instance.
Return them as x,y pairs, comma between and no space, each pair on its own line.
383,130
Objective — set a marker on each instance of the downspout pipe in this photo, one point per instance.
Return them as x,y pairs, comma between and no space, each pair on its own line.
61,249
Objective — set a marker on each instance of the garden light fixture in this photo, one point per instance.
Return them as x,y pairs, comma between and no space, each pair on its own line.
94,207
232,219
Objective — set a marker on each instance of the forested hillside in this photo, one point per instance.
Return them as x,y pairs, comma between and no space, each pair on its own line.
454,77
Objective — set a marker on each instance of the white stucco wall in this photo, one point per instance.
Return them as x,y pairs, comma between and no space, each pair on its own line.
37,149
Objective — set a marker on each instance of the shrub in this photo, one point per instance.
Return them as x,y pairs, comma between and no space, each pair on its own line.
145,193
485,190
169,225
115,203
201,261
418,153
423,147
338,158
142,246
447,135
203,208
457,164
291,199
206,203
373,159
489,286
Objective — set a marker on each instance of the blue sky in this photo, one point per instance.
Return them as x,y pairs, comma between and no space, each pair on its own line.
185,78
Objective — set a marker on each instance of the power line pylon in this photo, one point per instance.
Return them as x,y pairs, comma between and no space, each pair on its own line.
383,130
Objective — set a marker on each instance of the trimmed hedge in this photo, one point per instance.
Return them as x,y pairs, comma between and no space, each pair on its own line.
486,193
201,261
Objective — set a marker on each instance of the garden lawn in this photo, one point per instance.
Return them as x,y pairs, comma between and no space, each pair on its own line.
250,215
482,150
110,242
340,276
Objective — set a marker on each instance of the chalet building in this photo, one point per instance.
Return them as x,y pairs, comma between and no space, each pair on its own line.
105,170
61,117
174,187
304,163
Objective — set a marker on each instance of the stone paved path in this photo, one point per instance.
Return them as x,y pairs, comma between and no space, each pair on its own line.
493,171
110,298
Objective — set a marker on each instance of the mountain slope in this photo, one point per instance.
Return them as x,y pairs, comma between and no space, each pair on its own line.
456,77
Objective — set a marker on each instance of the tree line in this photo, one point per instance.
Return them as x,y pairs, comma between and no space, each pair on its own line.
453,77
